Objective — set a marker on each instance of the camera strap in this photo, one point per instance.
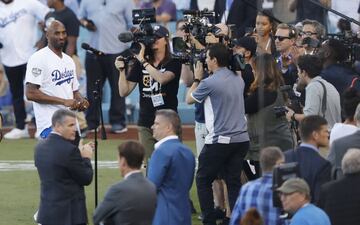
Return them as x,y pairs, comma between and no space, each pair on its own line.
353,81
324,99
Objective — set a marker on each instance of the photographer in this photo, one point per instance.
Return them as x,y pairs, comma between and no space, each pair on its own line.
158,77
311,35
264,126
227,142
246,48
218,186
333,53
321,97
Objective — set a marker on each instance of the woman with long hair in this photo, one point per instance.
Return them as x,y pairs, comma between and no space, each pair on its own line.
266,127
157,74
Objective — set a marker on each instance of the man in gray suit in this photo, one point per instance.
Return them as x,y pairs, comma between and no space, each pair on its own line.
64,170
340,146
133,200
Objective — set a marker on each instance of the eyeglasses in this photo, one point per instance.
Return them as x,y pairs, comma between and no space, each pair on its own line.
280,38
308,33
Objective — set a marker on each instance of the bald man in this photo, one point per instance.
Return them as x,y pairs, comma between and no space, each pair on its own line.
51,81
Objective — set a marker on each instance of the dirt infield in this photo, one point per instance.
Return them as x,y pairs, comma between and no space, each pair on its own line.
187,133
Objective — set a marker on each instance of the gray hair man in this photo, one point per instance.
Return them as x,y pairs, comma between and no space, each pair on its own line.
64,170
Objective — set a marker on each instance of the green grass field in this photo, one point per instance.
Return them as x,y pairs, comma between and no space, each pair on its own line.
19,195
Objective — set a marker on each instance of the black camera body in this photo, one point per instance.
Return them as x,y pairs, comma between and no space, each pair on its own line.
186,54
295,100
352,44
282,173
311,42
200,23
237,62
144,33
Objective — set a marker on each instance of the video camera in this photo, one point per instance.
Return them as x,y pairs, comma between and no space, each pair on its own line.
189,55
351,41
142,34
294,104
186,54
282,173
200,23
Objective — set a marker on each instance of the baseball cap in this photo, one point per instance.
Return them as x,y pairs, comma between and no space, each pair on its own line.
294,185
248,43
160,31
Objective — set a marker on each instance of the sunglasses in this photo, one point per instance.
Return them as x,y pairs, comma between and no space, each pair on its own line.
280,38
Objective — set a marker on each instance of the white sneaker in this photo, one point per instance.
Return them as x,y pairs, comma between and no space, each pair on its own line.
17,134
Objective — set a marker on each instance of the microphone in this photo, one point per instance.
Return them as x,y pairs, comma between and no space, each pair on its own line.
87,47
126,37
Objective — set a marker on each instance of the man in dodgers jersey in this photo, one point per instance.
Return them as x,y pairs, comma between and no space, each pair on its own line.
18,36
51,80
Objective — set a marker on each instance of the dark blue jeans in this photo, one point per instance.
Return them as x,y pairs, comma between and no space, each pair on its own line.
215,158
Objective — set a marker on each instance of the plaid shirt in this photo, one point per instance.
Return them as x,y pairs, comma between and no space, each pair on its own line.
257,194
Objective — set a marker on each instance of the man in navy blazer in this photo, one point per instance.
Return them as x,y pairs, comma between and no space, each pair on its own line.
314,169
132,200
63,170
171,169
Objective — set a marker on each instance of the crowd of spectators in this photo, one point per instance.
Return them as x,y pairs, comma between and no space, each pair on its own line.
266,92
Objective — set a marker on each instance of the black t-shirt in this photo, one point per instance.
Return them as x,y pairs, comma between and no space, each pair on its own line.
252,104
69,19
149,86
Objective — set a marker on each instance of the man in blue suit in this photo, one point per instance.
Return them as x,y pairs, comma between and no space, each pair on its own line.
171,169
63,169
314,169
